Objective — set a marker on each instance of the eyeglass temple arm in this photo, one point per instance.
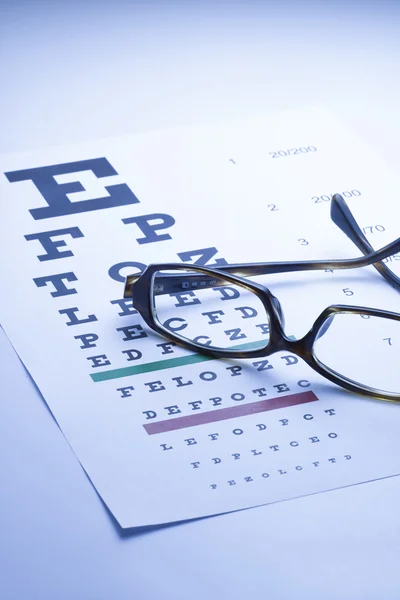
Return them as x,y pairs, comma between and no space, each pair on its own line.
343,218
171,283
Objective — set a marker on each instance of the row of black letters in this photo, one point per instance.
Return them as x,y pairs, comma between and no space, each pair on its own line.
238,431
180,381
266,475
216,460
218,401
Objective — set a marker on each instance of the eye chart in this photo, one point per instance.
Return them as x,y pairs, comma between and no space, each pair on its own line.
164,434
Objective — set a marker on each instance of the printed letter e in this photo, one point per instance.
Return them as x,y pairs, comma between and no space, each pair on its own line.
55,193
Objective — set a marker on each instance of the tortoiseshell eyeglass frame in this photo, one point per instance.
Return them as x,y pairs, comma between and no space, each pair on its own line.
141,289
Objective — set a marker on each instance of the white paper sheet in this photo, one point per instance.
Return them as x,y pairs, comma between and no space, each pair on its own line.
252,191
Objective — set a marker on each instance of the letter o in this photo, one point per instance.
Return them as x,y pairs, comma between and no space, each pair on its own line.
208,376
237,397
237,431
115,271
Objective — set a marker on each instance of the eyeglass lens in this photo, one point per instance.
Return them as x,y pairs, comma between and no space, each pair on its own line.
362,348
226,316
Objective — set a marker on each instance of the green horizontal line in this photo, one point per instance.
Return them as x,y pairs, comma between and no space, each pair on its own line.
159,365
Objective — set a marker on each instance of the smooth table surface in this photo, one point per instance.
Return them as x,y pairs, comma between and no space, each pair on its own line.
80,70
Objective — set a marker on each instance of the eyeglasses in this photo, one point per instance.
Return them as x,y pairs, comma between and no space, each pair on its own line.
353,346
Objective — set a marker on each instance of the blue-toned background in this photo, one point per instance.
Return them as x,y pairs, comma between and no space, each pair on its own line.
77,70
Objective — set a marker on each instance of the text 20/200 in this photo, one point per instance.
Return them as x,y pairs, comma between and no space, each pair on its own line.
293,151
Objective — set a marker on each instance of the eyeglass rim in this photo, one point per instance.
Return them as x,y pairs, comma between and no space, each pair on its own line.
143,301
330,373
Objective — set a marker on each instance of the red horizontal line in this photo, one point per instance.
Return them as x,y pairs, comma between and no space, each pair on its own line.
230,412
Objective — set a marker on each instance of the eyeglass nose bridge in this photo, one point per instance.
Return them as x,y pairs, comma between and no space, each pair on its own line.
281,340
278,310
